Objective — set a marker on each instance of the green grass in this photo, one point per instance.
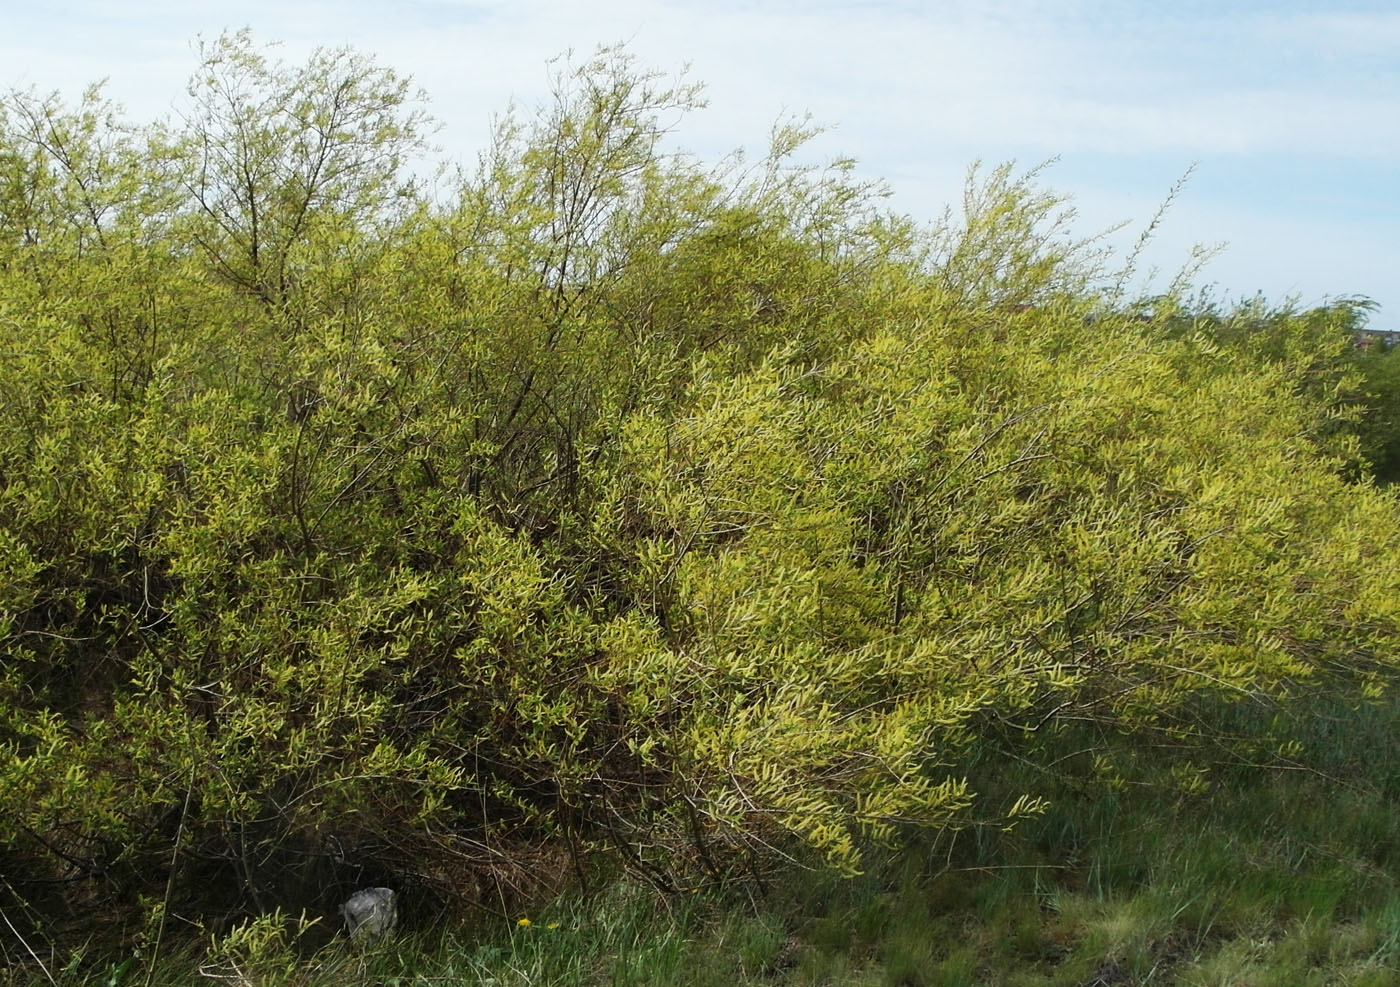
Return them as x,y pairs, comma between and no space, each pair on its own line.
1277,877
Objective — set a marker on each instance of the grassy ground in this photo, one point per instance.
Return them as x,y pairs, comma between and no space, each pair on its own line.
1256,877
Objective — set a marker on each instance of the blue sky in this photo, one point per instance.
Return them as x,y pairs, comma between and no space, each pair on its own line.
1289,111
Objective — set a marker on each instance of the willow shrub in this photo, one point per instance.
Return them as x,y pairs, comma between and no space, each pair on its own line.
855,564
615,504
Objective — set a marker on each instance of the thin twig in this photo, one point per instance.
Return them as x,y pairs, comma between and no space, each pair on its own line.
29,949
170,878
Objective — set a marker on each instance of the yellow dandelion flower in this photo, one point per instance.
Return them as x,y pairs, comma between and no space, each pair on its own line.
524,923
552,925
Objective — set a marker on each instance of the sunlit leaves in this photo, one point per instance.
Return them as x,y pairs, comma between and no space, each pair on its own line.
614,499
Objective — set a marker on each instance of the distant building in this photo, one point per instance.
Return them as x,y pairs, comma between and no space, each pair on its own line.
1377,337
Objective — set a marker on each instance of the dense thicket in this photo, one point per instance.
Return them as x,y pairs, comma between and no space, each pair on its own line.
1379,428
603,499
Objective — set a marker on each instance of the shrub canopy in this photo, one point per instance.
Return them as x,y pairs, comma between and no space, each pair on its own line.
609,500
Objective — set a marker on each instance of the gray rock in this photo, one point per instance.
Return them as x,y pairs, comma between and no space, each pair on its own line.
370,913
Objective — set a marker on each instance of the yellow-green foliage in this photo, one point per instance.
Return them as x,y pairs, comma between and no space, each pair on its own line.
612,502
1027,518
